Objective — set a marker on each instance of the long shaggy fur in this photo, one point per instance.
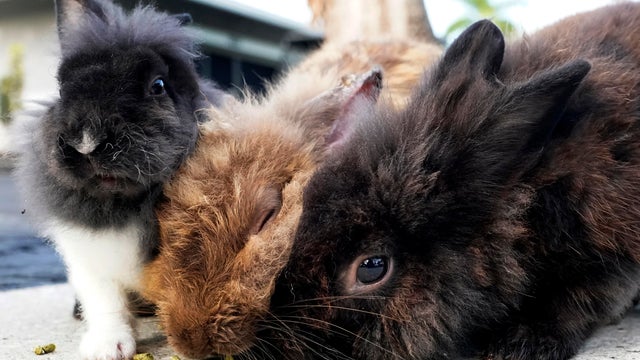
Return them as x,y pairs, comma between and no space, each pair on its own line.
503,200
92,165
110,27
218,261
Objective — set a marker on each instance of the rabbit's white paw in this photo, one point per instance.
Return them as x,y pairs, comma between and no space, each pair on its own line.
106,344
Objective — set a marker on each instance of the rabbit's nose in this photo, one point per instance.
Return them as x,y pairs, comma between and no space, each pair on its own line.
87,144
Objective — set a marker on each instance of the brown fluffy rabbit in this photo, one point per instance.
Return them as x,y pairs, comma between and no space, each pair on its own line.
230,214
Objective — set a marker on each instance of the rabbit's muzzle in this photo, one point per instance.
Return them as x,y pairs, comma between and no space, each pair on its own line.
224,332
92,160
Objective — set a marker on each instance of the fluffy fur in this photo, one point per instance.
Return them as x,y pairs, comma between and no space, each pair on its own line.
402,62
229,215
92,166
497,214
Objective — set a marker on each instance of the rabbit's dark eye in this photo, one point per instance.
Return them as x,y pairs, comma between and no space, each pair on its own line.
157,87
265,218
267,208
372,269
367,273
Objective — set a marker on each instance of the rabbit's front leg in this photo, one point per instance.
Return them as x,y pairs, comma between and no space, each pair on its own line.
102,265
556,323
535,342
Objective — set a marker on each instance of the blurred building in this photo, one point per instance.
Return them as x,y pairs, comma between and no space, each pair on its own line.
242,45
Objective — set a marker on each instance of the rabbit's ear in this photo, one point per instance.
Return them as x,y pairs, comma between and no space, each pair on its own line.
536,107
522,126
361,94
479,50
509,143
71,13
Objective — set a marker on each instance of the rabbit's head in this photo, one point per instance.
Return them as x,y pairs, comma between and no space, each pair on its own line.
129,96
228,221
409,237
230,212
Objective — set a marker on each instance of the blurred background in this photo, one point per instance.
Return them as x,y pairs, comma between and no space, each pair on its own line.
245,43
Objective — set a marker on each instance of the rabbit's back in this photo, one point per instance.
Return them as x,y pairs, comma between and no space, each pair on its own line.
595,153
497,213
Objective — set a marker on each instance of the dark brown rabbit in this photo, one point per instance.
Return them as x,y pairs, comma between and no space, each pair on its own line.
497,215
230,213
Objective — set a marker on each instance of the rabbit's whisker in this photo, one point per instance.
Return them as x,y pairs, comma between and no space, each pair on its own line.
139,173
338,330
304,337
263,346
338,298
283,328
116,154
300,338
323,306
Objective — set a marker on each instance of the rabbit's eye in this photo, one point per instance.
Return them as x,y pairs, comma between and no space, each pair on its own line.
268,207
367,273
372,269
157,87
266,216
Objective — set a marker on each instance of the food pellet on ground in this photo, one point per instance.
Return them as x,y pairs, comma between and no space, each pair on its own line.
143,356
45,349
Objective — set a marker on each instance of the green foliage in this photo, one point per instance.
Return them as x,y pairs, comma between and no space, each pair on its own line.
11,84
484,9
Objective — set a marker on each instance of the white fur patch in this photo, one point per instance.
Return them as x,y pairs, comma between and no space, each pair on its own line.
88,144
102,265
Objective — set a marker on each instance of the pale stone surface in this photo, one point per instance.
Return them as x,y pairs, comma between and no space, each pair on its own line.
619,341
42,315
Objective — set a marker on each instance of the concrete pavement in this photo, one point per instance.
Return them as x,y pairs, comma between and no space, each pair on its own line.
42,315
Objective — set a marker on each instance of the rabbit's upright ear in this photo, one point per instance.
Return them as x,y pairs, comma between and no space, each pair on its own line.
522,125
360,95
535,108
479,50
70,14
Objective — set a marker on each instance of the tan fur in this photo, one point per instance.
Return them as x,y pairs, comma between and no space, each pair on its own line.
403,63
213,278
344,21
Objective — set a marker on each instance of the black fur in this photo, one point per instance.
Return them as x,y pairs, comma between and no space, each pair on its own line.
93,165
109,61
504,196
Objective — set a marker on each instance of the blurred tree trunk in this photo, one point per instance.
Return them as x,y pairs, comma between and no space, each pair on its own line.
346,20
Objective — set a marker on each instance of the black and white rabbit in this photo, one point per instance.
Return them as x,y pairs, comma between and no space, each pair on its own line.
497,215
91,167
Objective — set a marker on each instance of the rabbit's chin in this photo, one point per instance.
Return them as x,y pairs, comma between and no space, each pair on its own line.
108,185
102,186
